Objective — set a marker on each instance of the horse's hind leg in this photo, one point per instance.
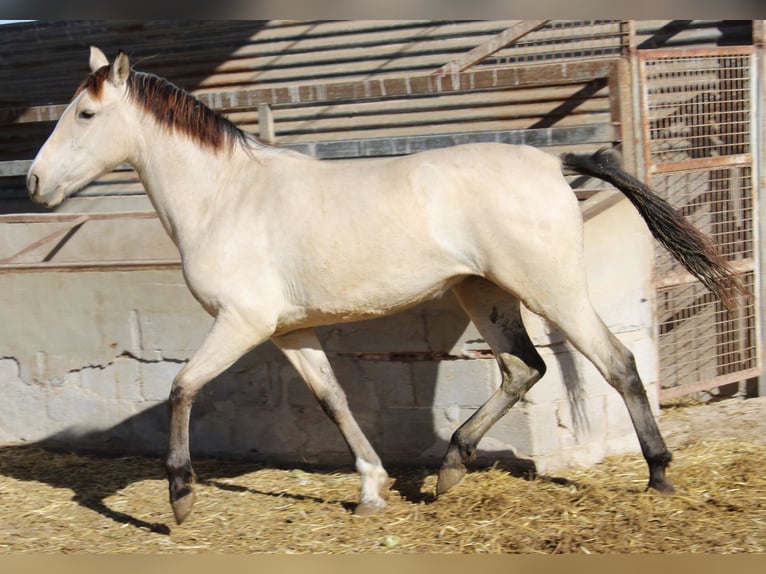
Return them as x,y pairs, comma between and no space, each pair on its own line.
585,330
568,306
304,351
497,316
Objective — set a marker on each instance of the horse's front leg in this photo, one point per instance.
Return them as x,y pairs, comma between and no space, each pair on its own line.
305,352
229,338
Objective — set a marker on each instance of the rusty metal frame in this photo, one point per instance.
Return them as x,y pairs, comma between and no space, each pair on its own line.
759,168
749,157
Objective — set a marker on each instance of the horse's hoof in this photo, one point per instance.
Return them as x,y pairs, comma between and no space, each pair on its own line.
183,507
449,476
368,508
662,486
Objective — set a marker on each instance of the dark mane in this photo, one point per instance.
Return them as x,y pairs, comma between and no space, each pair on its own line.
174,109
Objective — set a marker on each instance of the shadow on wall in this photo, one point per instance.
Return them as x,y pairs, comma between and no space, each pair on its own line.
407,377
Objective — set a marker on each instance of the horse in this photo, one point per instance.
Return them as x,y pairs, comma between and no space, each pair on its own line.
274,243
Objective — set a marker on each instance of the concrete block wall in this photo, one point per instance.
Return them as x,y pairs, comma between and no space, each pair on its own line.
87,359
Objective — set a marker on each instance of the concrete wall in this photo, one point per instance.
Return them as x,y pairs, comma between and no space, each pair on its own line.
87,358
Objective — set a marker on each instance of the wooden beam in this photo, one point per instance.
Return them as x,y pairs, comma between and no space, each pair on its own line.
494,44
266,123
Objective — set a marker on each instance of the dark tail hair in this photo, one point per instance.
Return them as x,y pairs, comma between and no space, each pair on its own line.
689,246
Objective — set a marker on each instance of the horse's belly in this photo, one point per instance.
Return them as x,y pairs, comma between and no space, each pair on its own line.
353,301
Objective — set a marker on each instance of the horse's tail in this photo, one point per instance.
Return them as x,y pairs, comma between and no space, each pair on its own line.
688,245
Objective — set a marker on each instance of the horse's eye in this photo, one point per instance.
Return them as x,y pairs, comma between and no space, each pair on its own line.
86,115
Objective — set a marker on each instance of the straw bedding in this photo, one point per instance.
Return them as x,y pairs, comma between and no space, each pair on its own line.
69,503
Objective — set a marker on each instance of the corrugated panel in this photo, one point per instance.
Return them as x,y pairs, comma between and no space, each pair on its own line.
42,63
652,34
455,113
206,57
213,55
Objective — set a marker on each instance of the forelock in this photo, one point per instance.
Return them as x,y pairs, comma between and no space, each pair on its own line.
94,83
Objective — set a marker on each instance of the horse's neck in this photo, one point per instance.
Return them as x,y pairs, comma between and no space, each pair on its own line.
182,181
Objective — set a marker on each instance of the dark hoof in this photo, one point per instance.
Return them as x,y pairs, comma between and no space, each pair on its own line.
180,481
182,507
662,486
449,476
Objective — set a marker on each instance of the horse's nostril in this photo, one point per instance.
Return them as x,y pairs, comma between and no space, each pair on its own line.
33,183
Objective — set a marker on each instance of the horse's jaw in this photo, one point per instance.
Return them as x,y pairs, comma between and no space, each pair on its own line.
51,197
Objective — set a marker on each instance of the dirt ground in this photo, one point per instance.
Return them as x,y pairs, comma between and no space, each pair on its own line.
729,419
65,503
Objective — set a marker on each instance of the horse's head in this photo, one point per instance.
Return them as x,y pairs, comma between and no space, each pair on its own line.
91,136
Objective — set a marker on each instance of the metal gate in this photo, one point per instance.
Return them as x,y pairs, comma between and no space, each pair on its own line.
699,140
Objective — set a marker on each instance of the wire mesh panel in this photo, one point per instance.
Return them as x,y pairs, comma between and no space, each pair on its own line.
697,108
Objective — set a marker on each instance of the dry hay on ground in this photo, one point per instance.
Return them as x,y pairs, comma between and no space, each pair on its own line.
67,503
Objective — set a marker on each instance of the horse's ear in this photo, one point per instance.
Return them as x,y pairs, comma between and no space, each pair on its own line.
97,59
120,69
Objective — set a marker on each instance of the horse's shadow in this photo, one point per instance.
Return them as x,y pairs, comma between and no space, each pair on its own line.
94,475
54,463
89,465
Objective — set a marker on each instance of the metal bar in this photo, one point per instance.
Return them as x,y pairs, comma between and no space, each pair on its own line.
21,167
621,107
31,115
598,133
76,266
634,97
46,239
63,217
391,146
685,278
703,163
494,44
676,53
759,176
643,115
680,391
13,168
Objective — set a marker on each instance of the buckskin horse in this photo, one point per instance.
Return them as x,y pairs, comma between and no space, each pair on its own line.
274,243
